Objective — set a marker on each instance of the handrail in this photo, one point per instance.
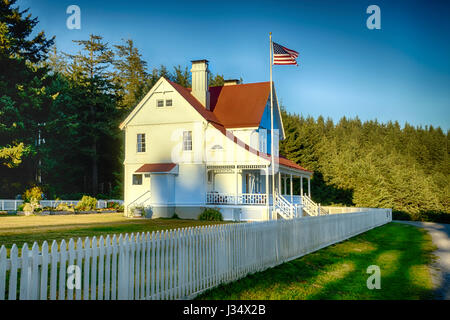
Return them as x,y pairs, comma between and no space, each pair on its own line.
286,209
311,207
138,199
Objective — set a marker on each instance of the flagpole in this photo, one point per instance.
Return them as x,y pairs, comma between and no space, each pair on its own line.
271,127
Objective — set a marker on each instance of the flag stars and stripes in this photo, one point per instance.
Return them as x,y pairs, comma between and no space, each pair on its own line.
283,55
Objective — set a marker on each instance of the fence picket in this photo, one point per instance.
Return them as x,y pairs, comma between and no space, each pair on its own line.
62,271
2,272
12,292
108,249
80,256
100,276
71,263
114,257
86,275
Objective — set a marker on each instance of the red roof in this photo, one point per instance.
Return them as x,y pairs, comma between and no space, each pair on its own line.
288,163
240,105
156,167
235,106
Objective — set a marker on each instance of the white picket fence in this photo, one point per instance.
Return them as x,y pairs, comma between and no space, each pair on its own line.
175,264
7,204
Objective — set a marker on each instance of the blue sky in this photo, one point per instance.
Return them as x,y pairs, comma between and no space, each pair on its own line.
401,72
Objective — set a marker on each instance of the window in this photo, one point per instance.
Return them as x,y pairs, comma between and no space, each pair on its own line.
137,179
210,176
141,142
160,103
187,140
168,102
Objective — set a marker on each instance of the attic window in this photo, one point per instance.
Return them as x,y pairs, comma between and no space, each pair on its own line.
168,102
160,103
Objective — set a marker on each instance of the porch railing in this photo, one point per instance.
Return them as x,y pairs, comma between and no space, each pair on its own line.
229,198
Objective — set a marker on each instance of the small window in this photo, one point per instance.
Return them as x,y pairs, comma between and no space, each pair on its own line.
168,102
210,176
141,142
160,103
187,141
137,179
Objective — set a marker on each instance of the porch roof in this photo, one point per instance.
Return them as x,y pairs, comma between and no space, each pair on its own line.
156,167
291,164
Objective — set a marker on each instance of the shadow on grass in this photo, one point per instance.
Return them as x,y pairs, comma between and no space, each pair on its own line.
339,271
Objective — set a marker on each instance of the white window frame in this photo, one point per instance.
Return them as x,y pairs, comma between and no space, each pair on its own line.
140,144
171,103
187,140
162,103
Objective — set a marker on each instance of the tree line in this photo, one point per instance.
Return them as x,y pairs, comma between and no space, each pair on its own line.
60,112
372,164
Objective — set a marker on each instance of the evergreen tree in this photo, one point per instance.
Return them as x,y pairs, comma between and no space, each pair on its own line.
131,74
98,118
23,98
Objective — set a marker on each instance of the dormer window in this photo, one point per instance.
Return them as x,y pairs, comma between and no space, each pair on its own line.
160,103
168,102
141,142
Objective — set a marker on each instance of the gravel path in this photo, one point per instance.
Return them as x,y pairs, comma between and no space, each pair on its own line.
440,234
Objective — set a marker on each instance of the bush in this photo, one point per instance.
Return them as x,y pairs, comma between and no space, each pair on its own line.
112,205
86,204
33,195
28,207
137,211
20,207
175,216
64,207
432,216
210,214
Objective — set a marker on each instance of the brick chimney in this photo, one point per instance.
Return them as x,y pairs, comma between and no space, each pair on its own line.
200,83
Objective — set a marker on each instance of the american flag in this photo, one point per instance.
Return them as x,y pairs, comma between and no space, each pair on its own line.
283,55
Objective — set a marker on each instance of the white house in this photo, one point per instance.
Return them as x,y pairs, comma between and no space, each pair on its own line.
188,149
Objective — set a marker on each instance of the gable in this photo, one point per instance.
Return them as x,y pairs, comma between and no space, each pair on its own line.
147,112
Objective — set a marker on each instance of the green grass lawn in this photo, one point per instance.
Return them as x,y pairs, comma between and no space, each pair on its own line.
21,229
402,252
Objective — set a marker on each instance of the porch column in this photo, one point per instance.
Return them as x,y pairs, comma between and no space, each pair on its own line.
292,190
267,192
301,186
279,182
309,187
236,181
285,184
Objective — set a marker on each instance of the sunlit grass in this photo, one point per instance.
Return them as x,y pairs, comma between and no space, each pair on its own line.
21,229
402,252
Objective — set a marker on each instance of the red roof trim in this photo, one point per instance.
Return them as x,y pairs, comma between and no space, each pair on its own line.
156,167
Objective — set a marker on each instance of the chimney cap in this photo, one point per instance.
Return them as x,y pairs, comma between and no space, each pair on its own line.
230,82
198,61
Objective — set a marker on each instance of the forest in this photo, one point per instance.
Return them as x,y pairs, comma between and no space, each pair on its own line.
60,112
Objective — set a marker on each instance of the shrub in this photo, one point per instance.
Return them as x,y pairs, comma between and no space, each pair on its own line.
28,207
137,210
20,207
64,207
86,203
210,214
33,195
112,205
175,216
